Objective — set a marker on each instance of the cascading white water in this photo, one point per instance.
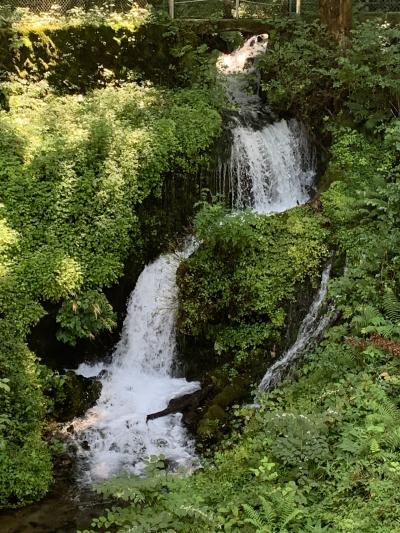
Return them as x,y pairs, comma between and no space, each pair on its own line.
312,326
114,435
271,167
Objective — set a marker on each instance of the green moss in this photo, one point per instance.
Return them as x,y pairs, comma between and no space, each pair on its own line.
230,393
80,57
210,423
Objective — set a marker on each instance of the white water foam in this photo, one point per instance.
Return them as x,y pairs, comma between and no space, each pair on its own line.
312,326
271,169
241,60
239,72
114,435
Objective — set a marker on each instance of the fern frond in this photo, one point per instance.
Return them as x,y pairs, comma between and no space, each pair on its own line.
255,518
269,514
286,507
368,315
390,412
393,439
391,305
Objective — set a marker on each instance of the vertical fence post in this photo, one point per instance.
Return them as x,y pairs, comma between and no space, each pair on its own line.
237,8
298,7
171,5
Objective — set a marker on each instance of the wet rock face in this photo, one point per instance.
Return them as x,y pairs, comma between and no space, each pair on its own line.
78,394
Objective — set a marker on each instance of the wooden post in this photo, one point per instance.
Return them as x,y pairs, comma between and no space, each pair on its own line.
298,7
171,4
337,16
237,9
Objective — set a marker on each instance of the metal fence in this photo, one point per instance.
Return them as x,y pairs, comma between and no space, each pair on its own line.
201,8
181,8
240,8
379,5
42,6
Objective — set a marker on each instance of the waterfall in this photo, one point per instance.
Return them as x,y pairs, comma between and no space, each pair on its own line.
314,323
114,435
271,169
271,166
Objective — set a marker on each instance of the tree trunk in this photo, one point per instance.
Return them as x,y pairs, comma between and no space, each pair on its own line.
337,16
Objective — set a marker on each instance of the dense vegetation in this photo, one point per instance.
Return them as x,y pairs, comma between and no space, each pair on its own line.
321,453
74,171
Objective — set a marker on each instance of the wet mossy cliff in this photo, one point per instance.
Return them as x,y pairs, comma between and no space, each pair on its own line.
243,294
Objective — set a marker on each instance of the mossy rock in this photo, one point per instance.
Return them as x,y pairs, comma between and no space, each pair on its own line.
215,415
77,396
230,394
211,422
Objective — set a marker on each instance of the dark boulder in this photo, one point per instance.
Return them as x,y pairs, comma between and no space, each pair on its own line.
190,405
78,394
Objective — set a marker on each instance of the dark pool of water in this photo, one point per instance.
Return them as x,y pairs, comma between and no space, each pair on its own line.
65,510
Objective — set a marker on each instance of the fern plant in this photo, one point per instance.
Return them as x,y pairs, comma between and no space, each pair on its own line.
391,306
369,320
275,514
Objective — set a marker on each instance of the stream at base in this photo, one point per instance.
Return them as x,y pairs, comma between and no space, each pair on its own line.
62,511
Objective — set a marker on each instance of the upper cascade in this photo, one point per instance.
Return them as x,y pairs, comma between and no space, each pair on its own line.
271,167
240,77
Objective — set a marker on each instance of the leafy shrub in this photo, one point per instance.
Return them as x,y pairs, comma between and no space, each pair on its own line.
236,287
358,84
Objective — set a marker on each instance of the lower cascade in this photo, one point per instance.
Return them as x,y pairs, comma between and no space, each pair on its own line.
114,435
314,323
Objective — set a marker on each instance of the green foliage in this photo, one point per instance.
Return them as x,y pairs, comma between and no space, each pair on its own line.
86,317
363,208
320,453
275,514
93,49
366,75
95,16
359,83
236,288
70,189
306,91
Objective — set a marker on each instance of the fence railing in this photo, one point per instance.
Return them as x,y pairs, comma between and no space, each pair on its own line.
379,5
234,7
240,8
202,8
44,6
